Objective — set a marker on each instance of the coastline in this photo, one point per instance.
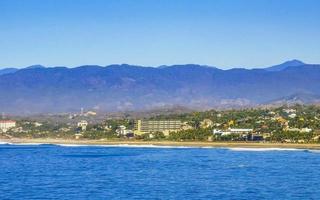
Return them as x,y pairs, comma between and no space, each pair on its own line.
162,143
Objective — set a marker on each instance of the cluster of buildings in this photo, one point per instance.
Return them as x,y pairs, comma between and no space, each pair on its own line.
167,126
150,126
263,122
245,133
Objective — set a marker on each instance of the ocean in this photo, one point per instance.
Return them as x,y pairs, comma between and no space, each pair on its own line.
133,172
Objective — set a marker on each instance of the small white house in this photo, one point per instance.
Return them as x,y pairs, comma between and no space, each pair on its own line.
83,125
123,131
292,115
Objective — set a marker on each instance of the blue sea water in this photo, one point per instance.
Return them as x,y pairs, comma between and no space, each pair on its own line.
104,172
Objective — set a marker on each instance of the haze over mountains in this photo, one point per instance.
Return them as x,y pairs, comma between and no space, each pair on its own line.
37,89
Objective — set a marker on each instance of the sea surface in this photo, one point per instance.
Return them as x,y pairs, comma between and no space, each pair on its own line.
130,172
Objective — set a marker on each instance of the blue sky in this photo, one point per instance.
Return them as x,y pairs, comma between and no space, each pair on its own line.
223,33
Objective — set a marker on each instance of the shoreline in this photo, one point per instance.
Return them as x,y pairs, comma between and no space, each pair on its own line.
162,143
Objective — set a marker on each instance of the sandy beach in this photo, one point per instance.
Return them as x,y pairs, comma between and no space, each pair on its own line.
160,143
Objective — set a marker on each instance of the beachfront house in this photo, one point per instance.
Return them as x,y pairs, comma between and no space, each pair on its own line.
123,131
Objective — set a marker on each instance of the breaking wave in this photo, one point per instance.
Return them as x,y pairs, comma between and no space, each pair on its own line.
265,149
122,145
238,149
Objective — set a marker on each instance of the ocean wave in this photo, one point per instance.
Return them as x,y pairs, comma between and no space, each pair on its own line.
72,145
122,145
4,142
314,151
209,147
264,149
28,144
99,145
22,144
148,146
238,149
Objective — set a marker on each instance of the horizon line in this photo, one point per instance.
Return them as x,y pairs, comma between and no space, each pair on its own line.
158,66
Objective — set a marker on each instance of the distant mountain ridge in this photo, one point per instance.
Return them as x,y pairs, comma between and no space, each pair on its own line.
7,71
280,67
126,87
13,70
283,66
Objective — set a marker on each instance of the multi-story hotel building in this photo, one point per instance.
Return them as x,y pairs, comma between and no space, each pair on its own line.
151,126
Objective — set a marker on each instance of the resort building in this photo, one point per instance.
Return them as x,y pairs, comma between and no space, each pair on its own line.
5,125
150,126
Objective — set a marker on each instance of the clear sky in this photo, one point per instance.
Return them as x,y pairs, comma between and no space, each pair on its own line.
223,33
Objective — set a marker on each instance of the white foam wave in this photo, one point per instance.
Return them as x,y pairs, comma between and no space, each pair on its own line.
72,145
210,147
148,146
27,144
1,142
22,144
314,151
121,145
250,149
264,149
99,145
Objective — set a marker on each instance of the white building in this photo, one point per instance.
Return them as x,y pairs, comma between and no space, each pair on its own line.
240,130
83,125
217,132
5,125
288,111
37,124
123,131
302,130
292,115
306,130
230,131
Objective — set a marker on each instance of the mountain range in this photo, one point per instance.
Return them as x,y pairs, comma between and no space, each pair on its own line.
39,89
